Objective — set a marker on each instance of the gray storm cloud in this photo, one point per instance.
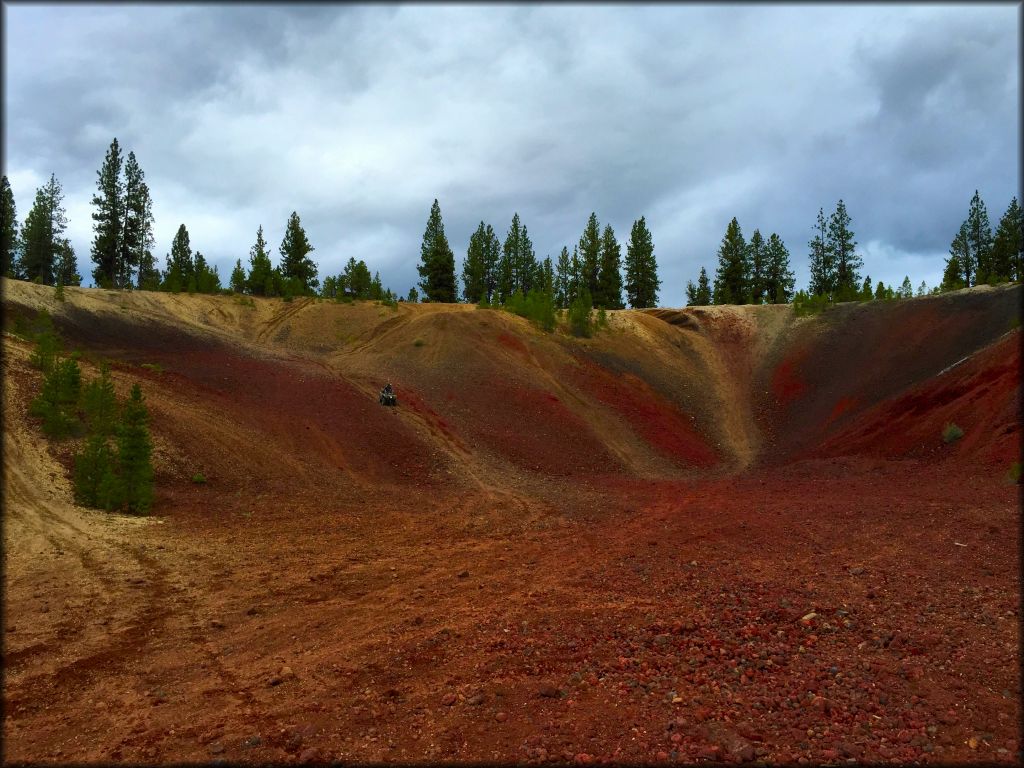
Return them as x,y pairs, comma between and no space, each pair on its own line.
358,117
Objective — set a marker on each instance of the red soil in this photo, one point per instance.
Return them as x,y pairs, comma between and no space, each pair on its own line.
654,419
787,385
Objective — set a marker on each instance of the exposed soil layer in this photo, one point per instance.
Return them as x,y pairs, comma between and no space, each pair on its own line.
711,535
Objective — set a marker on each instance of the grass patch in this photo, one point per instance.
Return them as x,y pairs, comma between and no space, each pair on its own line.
1013,475
198,479
154,367
951,433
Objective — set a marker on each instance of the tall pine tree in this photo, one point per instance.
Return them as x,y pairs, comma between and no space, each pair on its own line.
960,266
437,262
822,260
843,248
136,227
979,238
295,262
41,239
1007,245
474,269
642,281
779,279
590,255
9,261
260,281
180,272
732,275
563,280
757,257
108,219
609,278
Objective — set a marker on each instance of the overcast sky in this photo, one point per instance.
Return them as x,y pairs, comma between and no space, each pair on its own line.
357,117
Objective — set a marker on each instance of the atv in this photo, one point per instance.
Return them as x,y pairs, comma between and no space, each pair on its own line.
388,398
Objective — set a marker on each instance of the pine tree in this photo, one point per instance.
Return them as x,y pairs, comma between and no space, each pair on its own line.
865,289
491,248
141,204
134,450
108,219
96,484
642,281
843,248
66,268
757,258
238,277
732,275
295,262
960,264
41,234
356,280
260,281
207,279
99,404
180,273
979,238
547,273
704,294
779,280
906,290
590,255
922,289
9,261
691,294
376,288
563,280
518,270
474,276
1007,244
437,262
822,260
414,296
609,278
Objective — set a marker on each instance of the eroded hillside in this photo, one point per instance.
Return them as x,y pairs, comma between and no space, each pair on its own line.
719,533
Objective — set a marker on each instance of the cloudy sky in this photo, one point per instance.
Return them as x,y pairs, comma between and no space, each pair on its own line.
357,117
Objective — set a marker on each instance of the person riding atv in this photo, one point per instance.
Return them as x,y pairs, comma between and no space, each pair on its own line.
387,395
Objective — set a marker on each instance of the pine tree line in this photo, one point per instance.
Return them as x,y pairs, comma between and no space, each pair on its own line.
496,273
759,273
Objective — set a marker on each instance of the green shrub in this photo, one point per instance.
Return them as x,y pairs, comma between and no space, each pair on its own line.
602,318
951,433
418,343
154,367
58,292
579,314
1013,475
198,478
